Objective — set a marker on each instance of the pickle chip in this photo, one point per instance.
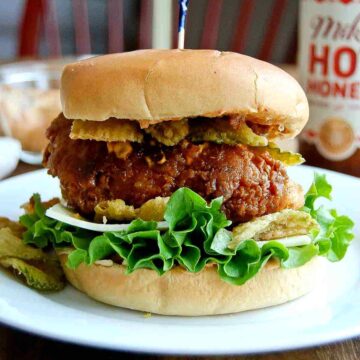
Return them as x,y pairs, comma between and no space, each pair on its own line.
49,280
117,210
40,270
16,228
153,209
12,246
288,158
220,132
285,223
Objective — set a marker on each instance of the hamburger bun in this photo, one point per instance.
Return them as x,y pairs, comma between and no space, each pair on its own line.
161,85
179,292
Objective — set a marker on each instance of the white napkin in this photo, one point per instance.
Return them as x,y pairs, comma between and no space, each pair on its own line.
10,150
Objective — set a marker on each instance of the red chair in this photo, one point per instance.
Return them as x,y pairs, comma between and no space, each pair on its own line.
240,36
40,18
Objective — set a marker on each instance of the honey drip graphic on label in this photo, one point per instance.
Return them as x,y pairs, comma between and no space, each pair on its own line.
336,138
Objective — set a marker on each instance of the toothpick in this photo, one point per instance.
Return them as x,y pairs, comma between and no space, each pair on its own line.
183,7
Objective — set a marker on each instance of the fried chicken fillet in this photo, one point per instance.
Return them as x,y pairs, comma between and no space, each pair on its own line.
250,181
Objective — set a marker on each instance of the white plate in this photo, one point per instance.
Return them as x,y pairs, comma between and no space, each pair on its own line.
330,313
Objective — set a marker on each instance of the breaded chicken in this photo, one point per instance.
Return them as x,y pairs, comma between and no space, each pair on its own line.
251,182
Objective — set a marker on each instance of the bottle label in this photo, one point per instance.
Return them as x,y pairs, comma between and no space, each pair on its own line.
329,58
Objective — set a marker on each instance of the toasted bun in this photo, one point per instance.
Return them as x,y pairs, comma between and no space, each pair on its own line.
180,292
160,85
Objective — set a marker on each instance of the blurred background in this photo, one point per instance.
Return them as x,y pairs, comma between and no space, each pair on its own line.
262,28
38,37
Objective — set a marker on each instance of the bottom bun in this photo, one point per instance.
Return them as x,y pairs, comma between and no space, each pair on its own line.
179,292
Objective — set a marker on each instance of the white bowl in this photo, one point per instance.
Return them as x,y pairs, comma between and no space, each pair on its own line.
10,150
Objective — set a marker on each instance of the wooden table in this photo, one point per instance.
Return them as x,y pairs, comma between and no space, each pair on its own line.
15,344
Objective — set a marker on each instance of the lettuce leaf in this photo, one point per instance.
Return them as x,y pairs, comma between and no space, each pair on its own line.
249,259
299,256
198,235
335,233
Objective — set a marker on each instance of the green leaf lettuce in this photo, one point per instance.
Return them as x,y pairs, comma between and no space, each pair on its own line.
199,233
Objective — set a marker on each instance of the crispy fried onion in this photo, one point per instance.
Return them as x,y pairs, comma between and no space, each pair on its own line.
169,133
121,149
109,130
228,130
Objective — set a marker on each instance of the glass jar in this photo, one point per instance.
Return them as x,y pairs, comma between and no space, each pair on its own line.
329,54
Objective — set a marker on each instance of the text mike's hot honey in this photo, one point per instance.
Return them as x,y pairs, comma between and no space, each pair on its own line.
329,71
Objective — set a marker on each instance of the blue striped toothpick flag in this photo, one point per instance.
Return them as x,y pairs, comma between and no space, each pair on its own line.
183,7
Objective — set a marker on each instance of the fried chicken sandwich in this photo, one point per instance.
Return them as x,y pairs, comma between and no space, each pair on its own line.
176,198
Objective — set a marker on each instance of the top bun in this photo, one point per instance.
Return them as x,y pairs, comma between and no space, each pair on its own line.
160,85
